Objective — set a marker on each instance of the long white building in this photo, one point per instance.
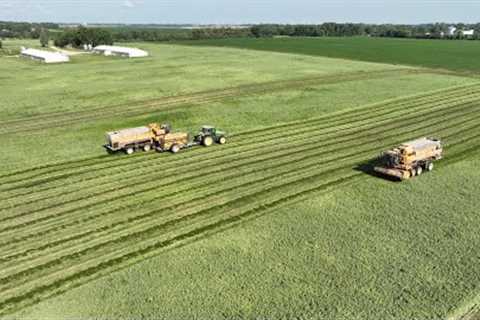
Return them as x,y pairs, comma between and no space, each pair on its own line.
120,51
44,56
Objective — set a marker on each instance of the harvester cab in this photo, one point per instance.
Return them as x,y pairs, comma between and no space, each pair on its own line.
160,130
209,134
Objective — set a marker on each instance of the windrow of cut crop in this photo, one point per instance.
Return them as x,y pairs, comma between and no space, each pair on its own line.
154,186
335,117
94,171
25,200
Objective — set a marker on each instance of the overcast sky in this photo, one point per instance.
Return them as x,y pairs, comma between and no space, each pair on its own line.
240,11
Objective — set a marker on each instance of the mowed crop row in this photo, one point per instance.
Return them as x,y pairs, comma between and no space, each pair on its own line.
69,227
99,181
62,119
51,172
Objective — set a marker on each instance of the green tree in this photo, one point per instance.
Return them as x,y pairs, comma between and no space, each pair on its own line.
44,37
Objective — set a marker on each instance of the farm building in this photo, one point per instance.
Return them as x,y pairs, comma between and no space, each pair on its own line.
44,56
468,33
120,51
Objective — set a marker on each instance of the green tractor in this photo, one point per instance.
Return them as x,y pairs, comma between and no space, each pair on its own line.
209,135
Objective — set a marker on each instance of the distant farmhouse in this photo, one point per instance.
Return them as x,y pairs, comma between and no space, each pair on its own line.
120,51
44,56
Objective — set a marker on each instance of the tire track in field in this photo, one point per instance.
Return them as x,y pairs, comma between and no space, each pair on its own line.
295,176
52,120
361,114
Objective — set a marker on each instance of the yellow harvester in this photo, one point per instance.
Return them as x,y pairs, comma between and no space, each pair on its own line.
410,159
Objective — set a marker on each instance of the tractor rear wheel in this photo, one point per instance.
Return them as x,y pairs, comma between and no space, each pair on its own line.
147,147
175,148
207,141
222,140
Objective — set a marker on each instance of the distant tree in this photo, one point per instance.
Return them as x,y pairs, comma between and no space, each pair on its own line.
44,37
81,36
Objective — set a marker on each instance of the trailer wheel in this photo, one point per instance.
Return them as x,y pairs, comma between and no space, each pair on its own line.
175,148
207,141
419,170
222,140
130,150
413,173
147,147
429,166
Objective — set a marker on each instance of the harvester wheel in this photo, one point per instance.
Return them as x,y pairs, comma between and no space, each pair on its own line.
419,170
147,147
129,150
207,141
175,148
222,140
429,166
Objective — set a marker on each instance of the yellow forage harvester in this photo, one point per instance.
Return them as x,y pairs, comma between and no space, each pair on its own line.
410,159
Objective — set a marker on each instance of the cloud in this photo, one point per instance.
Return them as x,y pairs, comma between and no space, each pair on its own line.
7,5
129,4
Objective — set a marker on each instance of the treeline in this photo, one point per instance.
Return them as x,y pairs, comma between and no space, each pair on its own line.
168,34
24,30
436,30
80,36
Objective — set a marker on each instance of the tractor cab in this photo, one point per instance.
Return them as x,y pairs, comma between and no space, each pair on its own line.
209,130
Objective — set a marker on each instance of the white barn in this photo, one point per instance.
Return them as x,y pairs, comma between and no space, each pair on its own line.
468,33
120,51
44,56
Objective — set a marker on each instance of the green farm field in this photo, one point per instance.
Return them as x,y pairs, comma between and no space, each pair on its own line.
458,55
281,222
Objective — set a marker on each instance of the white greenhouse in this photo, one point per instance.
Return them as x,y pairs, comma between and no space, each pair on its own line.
44,56
120,51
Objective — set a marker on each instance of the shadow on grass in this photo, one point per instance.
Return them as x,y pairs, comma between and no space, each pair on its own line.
367,167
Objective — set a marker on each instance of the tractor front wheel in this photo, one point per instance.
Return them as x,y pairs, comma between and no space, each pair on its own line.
129,151
207,141
222,140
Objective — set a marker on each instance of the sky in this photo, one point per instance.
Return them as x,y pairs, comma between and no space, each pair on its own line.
240,11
